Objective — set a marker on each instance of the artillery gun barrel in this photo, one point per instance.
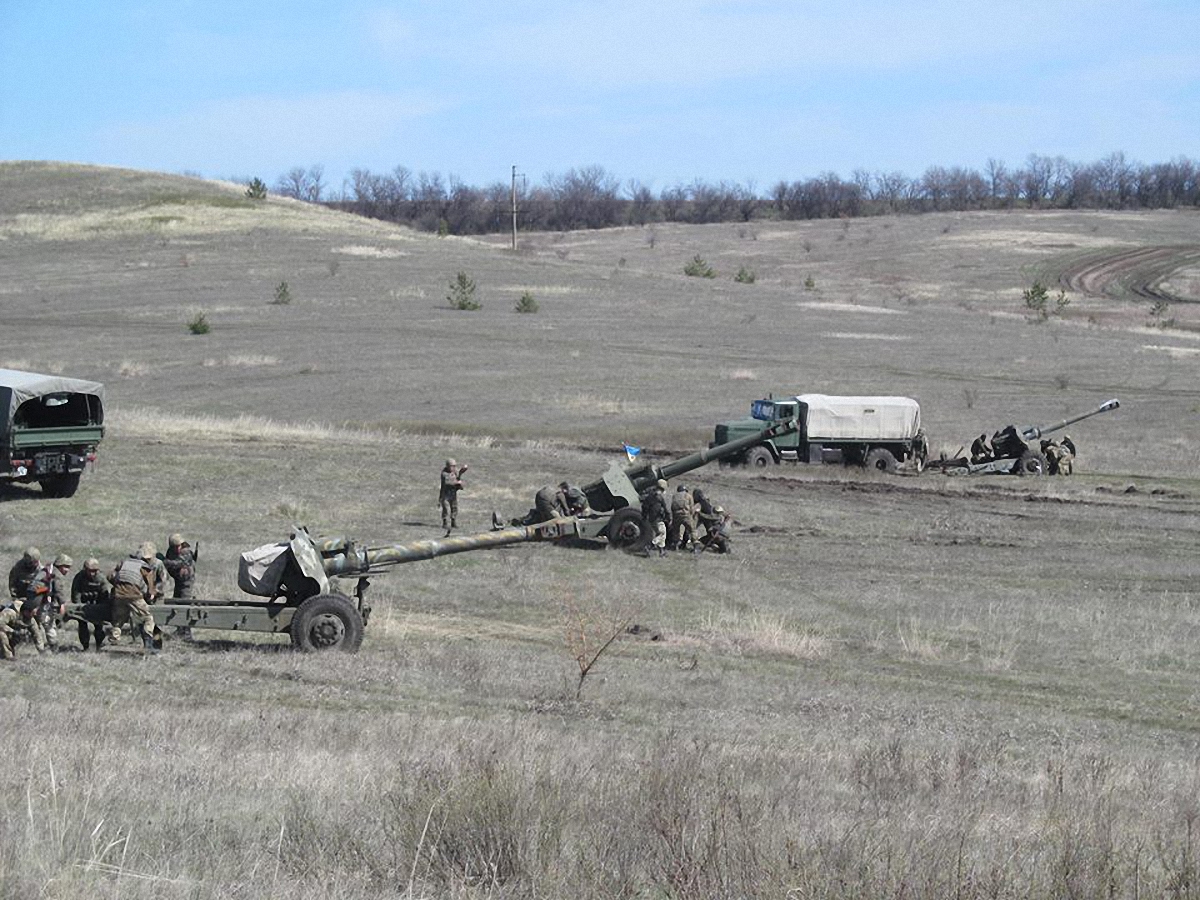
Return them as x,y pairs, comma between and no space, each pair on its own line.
647,474
351,560
1033,432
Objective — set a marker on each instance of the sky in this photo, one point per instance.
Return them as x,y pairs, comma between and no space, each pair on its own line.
664,92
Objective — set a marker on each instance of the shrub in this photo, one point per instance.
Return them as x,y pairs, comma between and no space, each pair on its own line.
1158,314
283,294
462,292
256,189
698,268
199,324
810,283
1037,301
526,304
745,276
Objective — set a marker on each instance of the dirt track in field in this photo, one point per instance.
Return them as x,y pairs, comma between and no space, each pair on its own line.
1140,272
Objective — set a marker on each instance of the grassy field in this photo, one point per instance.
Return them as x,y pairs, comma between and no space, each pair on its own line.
908,686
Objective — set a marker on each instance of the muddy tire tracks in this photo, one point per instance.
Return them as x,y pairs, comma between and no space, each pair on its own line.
1120,274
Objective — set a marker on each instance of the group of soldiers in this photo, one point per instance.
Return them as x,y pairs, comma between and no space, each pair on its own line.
675,521
107,604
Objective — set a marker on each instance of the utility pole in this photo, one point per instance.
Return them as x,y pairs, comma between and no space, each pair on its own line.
515,175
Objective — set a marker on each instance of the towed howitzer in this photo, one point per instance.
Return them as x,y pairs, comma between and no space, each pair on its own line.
1011,454
290,580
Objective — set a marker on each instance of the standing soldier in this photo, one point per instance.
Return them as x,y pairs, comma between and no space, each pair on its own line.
46,597
1066,455
180,562
91,589
22,573
133,586
657,515
683,520
451,484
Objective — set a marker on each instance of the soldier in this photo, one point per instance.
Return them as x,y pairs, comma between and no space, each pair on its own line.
13,619
683,520
706,514
657,515
718,536
22,573
158,582
979,450
451,484
91,589
574,499
549,503
180,563
1053,454
46,597
133,586
1066,460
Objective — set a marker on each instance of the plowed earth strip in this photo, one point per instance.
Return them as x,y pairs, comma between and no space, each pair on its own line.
1138,272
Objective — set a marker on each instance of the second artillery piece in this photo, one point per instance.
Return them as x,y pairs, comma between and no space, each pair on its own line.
290,584
1010,451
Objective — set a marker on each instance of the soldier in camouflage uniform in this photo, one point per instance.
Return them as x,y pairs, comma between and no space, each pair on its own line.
12,622
92,589
657,515
718,536
682,535
180,562
46,597
22,573
133,586
450,485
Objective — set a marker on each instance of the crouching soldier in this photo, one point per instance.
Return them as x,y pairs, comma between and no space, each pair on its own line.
91,589
717,537
133,587
18,618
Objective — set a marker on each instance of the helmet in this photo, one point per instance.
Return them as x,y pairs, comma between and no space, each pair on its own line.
680,489
451,463
91,564
662,484
62,560
175,540
33,554
146,551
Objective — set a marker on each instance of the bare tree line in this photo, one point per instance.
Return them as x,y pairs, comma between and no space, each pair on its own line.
592,197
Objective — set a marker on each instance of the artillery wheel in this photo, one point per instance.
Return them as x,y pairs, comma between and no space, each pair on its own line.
628,531
1032,462
759,458
60,485
327,622
880,459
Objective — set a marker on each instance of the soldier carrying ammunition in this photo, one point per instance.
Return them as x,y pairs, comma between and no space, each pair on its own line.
180,563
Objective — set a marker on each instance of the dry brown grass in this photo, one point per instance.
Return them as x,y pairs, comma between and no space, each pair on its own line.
922,687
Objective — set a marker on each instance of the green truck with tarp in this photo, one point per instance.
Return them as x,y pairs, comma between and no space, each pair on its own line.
51,428
880,433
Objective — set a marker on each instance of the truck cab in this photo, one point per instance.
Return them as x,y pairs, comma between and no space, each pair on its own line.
50,430
877,432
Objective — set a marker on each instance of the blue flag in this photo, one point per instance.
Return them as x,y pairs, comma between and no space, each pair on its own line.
631,452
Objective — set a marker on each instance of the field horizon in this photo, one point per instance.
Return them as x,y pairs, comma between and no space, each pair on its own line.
910,686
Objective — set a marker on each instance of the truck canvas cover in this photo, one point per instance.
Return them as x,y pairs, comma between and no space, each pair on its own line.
17,387
860,418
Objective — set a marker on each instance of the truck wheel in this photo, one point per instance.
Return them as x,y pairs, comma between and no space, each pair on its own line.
327,622
759,458
60,485
1032,462
628,531
880,459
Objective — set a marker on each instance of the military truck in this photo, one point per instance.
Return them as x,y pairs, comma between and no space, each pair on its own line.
50,429
879,433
